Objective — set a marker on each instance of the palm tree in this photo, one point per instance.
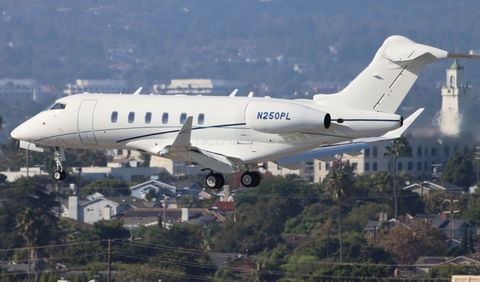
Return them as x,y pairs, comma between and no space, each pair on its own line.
400,148
381,181
29,226
339,185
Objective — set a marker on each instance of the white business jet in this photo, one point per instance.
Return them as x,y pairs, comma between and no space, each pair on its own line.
225,134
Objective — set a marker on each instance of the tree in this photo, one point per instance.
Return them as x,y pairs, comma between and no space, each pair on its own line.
340,186
381,181
418,239
400,148
33,227
459,170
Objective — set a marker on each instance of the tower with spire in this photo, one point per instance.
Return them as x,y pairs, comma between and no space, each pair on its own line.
454,101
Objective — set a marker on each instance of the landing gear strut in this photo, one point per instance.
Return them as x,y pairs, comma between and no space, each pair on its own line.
214,180
59,174
250,179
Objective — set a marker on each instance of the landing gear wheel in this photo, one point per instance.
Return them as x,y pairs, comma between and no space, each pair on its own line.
256,178
250,179
214,180
59,175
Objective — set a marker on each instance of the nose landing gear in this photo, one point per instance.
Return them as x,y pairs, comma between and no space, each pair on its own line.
59,174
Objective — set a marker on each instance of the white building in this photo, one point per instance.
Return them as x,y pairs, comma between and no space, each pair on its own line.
20,89
97,86
197,87
454,101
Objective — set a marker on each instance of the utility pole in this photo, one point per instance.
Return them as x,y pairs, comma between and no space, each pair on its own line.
451,218
164,207
109,260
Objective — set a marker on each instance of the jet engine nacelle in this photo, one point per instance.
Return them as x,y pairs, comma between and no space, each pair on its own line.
280,117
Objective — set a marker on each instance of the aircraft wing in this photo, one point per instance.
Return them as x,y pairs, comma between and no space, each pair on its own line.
182,149
353,147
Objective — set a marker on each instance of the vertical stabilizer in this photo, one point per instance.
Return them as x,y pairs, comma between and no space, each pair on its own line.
383,85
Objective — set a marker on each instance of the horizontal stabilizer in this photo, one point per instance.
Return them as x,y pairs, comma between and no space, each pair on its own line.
462,56
30,146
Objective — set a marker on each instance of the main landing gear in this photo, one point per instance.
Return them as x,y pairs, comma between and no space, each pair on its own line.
248,179
59,174
214,180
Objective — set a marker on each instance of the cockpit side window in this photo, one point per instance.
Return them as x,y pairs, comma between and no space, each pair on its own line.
58,106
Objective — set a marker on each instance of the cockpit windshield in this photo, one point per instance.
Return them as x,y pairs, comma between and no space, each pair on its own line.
55,106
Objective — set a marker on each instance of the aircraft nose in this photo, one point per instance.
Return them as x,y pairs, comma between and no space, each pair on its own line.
19,133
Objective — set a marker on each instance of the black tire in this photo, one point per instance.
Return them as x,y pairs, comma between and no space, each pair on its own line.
211,181
57,175
221,180
64,175
256,178
247,179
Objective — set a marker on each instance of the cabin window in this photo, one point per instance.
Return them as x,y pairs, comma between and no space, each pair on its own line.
148,117
165,118
201,118
131,117
183,118
58,106
114,117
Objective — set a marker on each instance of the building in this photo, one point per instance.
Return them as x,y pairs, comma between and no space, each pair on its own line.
454,101
197,87
99,208
97,86
18,89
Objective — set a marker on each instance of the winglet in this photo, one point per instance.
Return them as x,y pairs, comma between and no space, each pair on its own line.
234,92
250,94
184,135
138,91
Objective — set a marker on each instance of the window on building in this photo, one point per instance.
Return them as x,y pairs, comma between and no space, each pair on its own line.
366,153
165,118
183,118
446,151
148,117
399,166
327,166
419,151
114,117
426,151
410,166
320,179
434,152
419,166
375,166
425,166
119,152
319,165
131,117
367,166
354,166
374,151
201,118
